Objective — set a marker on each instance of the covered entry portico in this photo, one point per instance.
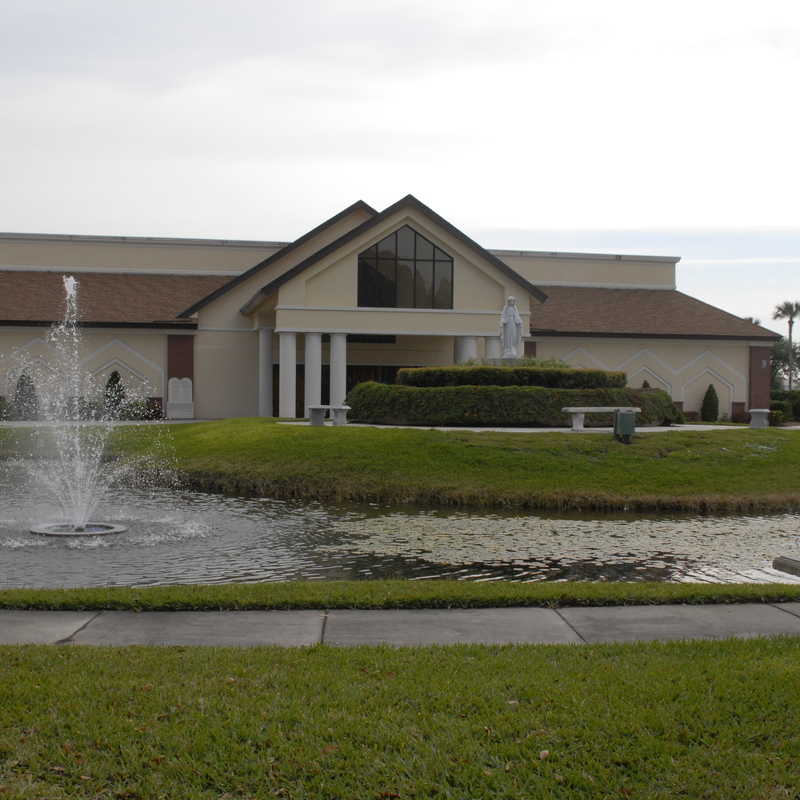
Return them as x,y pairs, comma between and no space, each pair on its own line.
305,356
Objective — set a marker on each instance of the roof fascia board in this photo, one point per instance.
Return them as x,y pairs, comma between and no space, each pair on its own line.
409,201
594,335
143,240
585,256
40,323
358,205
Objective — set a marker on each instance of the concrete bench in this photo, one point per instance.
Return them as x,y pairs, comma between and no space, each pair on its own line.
759,418
338,414
578,413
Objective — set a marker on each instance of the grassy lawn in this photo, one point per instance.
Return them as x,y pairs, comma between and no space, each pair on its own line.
393,594
693,470
716,720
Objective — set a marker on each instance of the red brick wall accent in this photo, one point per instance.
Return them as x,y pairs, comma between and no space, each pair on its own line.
760,376
530,349
180,357
738,412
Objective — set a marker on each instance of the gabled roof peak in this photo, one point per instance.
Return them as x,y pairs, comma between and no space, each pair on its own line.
409,201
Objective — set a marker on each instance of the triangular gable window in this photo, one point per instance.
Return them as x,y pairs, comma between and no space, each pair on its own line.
405,270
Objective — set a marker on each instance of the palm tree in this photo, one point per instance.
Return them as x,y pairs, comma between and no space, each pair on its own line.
788,311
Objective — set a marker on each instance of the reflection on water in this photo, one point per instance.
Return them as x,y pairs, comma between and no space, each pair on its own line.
191,537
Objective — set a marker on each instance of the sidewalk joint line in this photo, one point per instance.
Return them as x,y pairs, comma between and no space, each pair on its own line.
785,611
68,639
324,626
569,625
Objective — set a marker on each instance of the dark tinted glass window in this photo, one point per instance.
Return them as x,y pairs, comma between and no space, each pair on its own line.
443,284
405,283
423,285
424,248
387,248
405,242
405,270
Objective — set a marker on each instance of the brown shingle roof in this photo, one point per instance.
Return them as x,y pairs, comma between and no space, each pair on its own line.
637,312
138,299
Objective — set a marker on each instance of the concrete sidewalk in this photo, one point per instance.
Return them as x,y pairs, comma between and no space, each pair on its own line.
417,627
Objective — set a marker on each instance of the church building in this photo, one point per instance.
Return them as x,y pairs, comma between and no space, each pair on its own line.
217,328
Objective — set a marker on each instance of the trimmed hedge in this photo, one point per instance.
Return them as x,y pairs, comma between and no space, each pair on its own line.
530,406
552,377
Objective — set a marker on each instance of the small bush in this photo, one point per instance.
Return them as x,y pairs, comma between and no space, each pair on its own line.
5,409
511,376
792,397
709,411
785,408
533,406
776,418
26,401
113,395
140,410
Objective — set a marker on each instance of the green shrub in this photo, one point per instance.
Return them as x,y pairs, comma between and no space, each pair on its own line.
525,361
113,395
511,376
26,401
533,406
792,397
139,410
785,408
776,418
709,411
5,409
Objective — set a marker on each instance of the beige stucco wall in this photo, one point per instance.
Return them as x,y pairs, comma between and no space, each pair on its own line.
682,367
131,256
140,358
601,271
226,374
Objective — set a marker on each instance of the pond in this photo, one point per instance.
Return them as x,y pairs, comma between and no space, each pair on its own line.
178,536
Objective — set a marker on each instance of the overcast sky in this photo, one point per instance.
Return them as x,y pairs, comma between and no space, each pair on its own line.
609,126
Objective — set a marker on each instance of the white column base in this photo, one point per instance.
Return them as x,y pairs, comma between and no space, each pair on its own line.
287,355
493,347
465,349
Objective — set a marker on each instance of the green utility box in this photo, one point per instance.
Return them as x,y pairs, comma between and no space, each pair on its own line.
624,425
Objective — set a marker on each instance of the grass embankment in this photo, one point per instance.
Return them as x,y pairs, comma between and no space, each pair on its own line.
392,594
735,470
702,719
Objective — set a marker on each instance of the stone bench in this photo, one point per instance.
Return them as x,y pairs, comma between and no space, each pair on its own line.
338,414
578,413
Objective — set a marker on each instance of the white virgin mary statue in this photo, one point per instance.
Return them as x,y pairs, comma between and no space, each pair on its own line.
511,329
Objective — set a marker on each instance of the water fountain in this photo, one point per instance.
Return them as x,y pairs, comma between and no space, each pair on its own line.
69,466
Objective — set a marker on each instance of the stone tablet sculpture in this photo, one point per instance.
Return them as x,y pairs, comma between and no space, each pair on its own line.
510,329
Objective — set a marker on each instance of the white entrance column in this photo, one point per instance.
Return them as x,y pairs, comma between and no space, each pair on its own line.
287,360
265,372
313,371
465,349
493,348
338,368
